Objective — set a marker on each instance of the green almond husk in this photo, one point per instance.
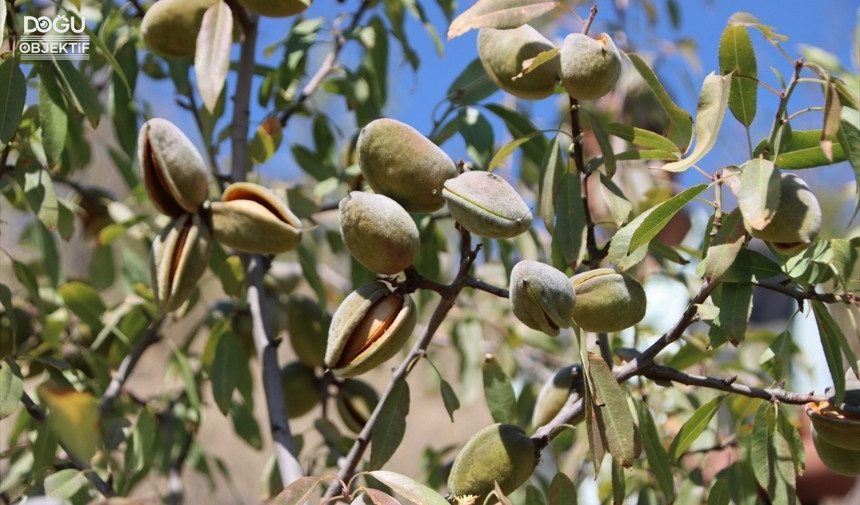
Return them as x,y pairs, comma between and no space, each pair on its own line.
487,205
541,296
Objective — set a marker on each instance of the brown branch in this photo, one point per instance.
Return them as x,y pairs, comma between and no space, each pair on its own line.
100,484
811,294
350,463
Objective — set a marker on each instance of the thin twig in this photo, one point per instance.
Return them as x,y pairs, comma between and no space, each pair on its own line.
89,472
799,296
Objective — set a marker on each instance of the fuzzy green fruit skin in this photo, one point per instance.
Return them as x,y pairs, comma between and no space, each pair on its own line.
178,259
301,389
404,165
251,219
355,402
607,301
499,452
555,392
169,28
589,67
542,296
276,8
355,311
487,205
502,53
378,232
796,221
307,327
840,460
172,170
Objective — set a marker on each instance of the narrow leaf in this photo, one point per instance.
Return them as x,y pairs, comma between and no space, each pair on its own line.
709,117
735,302
570,219
641,137
65,484
832,116
390,426
726,245
604,143
224,355
498,392
472,85
694,427
212,56
849,143
835,346
551,172
84,97
13,93
52,117
498,14
298,492
74,418
408,488
720,493
615,199
751,265
266,140
658,459
531,64
737,57
760,192
508,149
802,149
11,387
449,398
612,413
85,302
561,490
377,497
680,122
661,215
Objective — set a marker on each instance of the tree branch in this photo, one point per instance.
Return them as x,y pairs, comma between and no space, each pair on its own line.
101,485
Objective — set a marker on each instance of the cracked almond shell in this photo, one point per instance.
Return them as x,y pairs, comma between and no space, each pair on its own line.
487,205
378,232
542,296
369,327
607,301
404,165
178,259
172,169
251,219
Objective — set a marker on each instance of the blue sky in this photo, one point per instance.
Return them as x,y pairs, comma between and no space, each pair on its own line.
827,24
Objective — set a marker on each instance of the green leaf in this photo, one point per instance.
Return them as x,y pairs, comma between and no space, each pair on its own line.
212,54
604,143
499,14
551,170
46,243
611,411
188,378
747,19
561,490
411,490
309,271
52,117
793,440
85,302
498,392
615,199
735,302
377,497
390,426
74,418
658,459
533,63
760,192
244,423
776,358
648,154
41,196
849,142
709,117
680,122
298,492
726,246
736,56
66,483
570,219
694,427
449,398
221,358
472,85
802,149
520,125
751,265
477,132
619,485
11,387
641,137
835,347
118,69
13,94
720,493
660,216
81,92
141,450
508,149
